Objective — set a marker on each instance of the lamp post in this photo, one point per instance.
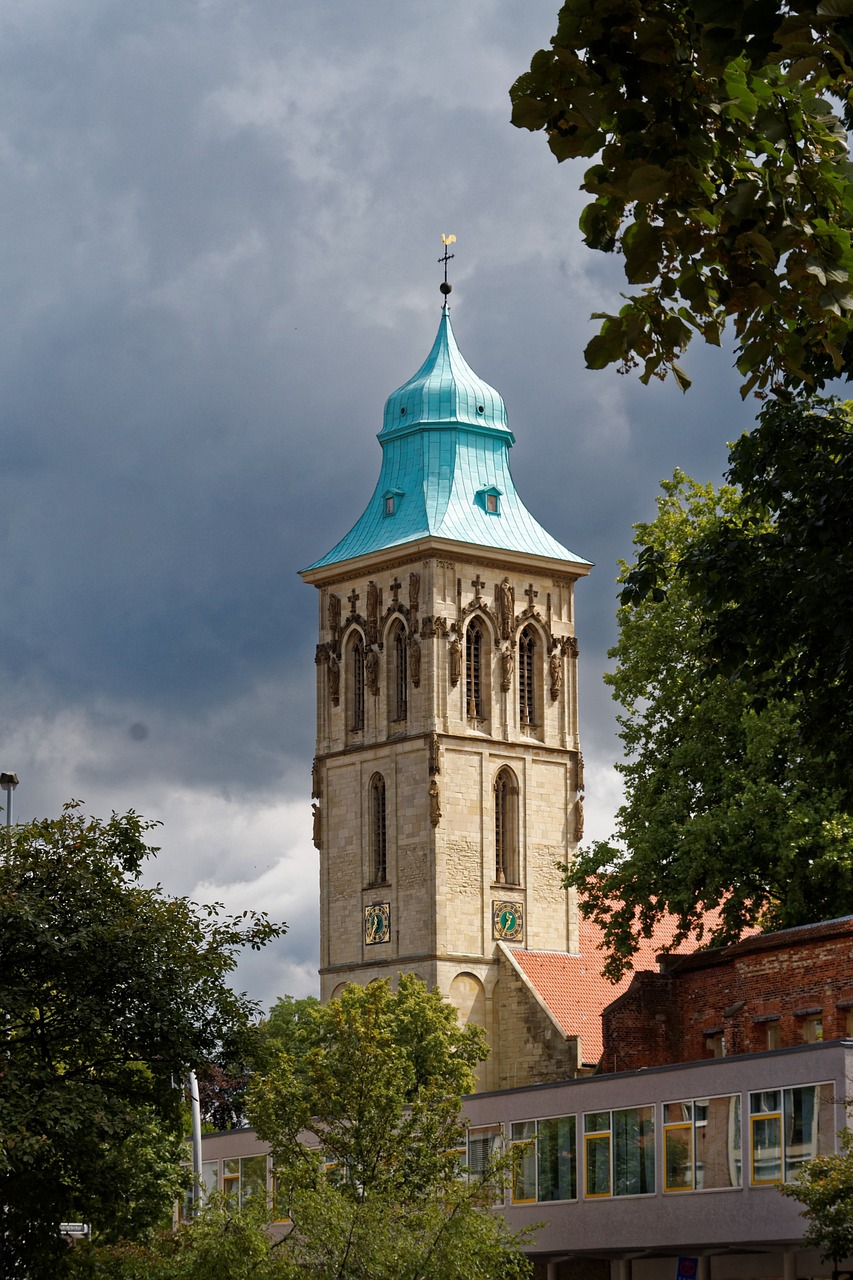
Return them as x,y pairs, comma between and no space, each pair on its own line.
8,782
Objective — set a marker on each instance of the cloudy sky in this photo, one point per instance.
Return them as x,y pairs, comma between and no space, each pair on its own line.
219,230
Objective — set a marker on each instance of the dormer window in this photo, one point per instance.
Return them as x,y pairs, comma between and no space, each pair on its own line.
489,500
391,499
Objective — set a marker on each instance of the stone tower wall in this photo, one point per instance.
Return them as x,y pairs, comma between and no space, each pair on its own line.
440,765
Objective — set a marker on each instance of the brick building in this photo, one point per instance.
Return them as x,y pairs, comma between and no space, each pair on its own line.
769,991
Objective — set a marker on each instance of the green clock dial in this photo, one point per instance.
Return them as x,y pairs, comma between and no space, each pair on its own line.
377,923
508,921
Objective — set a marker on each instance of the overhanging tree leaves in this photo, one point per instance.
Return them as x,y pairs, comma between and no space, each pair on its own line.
724,809
378,1085
109,993
720,173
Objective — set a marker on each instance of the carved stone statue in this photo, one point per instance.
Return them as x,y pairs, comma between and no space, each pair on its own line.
414,591
434,803
555,668
455,660
506,598
371,670
579,818
415,661
580,786
434,762
334,679
372,612
333,614
507,667
315,779
317,833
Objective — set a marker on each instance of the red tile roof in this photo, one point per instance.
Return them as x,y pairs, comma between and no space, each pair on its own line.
573,988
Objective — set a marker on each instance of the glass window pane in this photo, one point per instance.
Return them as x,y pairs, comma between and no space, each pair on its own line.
210,1175
597,1165
809,1125
523,1129
767,1148
678,1157
253,1177
523,1172
597,1122
483,1147
634,1151
557,1163
717,1143
769,1100
677,1112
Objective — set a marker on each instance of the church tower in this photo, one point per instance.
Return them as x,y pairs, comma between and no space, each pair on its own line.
448,776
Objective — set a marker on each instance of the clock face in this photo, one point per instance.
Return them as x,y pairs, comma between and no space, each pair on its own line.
508,921
377,923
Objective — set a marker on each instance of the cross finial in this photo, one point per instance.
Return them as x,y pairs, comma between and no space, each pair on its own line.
447,241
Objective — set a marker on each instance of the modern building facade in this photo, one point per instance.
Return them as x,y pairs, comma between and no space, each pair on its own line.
627,1173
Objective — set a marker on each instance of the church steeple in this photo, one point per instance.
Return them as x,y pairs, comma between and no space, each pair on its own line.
445,467
447,775
446,392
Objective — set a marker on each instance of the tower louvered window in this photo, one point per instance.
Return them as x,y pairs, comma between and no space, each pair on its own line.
401,675
506,828
473,670
378,845
357,680
526,668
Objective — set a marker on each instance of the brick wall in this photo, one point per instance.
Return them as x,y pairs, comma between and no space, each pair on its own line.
769,991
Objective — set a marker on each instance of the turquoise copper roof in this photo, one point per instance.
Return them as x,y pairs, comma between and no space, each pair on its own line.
445,467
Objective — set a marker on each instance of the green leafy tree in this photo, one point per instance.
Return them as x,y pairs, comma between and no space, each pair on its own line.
376,1089
109,993
718,170
222,1089
825,1187
723,809
774,578
225,1241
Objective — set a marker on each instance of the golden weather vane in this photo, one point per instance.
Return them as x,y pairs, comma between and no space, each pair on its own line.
447,241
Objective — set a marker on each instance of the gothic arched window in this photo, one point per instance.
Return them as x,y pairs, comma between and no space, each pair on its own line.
526,671
378,842
506,828
356,683
474,671
399,691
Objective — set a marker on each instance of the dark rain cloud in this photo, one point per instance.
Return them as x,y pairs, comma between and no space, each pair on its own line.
218,244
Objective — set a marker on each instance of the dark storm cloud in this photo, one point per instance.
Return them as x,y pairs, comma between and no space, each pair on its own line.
218,244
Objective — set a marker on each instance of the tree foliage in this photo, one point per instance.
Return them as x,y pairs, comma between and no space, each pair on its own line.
775,577
824,1185
724,811
109,992
719,171
363,1116
225,1240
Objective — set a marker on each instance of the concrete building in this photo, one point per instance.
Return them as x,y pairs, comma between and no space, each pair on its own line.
628,1173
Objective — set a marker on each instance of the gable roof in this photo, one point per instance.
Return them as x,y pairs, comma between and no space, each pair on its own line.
572,988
